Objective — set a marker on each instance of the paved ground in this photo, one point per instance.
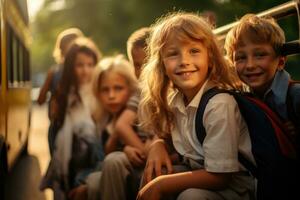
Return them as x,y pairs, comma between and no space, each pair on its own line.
23,181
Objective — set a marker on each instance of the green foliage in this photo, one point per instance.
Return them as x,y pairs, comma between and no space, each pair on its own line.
110,22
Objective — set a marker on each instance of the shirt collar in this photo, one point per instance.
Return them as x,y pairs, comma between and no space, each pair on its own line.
279,87
178,103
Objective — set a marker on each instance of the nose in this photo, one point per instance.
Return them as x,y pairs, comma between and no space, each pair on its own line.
111,94
250,63
185,59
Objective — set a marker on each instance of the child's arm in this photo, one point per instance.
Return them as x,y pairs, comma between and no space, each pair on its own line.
157,158
111,144
125,131
175,183
135,155
45,87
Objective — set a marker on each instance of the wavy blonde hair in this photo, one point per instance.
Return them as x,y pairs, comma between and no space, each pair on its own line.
257,30
155,113
117,64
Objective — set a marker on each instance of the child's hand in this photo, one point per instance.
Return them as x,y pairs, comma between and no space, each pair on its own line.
157,158
78,193
150,191
135,155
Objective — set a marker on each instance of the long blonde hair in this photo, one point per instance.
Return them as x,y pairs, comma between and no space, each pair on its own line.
117,64
155,113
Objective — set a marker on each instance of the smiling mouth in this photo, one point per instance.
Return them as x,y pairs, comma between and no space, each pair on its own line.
252,76
185,73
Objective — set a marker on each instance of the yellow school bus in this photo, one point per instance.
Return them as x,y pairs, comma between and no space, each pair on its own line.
15,84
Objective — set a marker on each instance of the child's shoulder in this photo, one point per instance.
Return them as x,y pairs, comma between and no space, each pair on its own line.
220,102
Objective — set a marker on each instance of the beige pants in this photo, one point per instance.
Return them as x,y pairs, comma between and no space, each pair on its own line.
118,180
240,188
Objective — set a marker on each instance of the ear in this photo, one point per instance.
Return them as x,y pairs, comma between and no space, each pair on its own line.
281,62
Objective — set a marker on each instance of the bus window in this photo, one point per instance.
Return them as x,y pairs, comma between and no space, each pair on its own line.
21,63
26,65
15,63
0,53
9,59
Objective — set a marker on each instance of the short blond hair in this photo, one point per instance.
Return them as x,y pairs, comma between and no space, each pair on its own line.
63,41
137,39
117,64
257,30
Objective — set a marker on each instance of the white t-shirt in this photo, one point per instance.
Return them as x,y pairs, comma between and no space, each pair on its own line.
227,132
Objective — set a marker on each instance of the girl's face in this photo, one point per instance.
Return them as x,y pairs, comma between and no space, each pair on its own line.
114,92
257,64
186,65
84,67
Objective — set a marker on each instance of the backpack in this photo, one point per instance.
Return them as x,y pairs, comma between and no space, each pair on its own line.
276,167
291,101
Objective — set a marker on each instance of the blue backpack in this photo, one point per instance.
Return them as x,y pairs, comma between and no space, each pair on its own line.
275,156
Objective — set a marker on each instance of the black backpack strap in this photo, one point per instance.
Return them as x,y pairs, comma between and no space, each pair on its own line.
201,132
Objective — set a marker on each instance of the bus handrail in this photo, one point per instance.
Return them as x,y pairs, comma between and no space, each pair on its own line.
277,12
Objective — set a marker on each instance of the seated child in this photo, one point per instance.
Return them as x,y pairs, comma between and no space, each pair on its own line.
114,84
77,146
127,121
184,62
254,48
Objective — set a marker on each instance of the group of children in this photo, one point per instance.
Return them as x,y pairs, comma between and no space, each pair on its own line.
126,129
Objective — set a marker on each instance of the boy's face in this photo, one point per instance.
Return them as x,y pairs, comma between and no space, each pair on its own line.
257,64
138,57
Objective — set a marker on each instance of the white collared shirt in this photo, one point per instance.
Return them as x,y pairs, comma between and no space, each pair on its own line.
226,130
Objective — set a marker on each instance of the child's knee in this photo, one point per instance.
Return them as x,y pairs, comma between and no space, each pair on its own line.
115,160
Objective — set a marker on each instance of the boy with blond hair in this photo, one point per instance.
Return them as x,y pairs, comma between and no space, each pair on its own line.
254,47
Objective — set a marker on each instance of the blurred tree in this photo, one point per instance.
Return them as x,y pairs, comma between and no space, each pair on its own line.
110,22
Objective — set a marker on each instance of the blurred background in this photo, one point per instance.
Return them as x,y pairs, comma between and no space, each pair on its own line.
110,22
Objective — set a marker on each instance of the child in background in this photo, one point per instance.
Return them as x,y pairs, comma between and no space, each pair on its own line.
114,84
77,146
254,48
133,137
184,62
63,41
136,51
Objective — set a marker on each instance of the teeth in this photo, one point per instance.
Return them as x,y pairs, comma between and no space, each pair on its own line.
186,74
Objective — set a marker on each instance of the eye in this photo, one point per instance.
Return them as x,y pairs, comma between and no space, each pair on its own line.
171,53
91,64
119,88
104,90
194,50
239,58
260,54
78,64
